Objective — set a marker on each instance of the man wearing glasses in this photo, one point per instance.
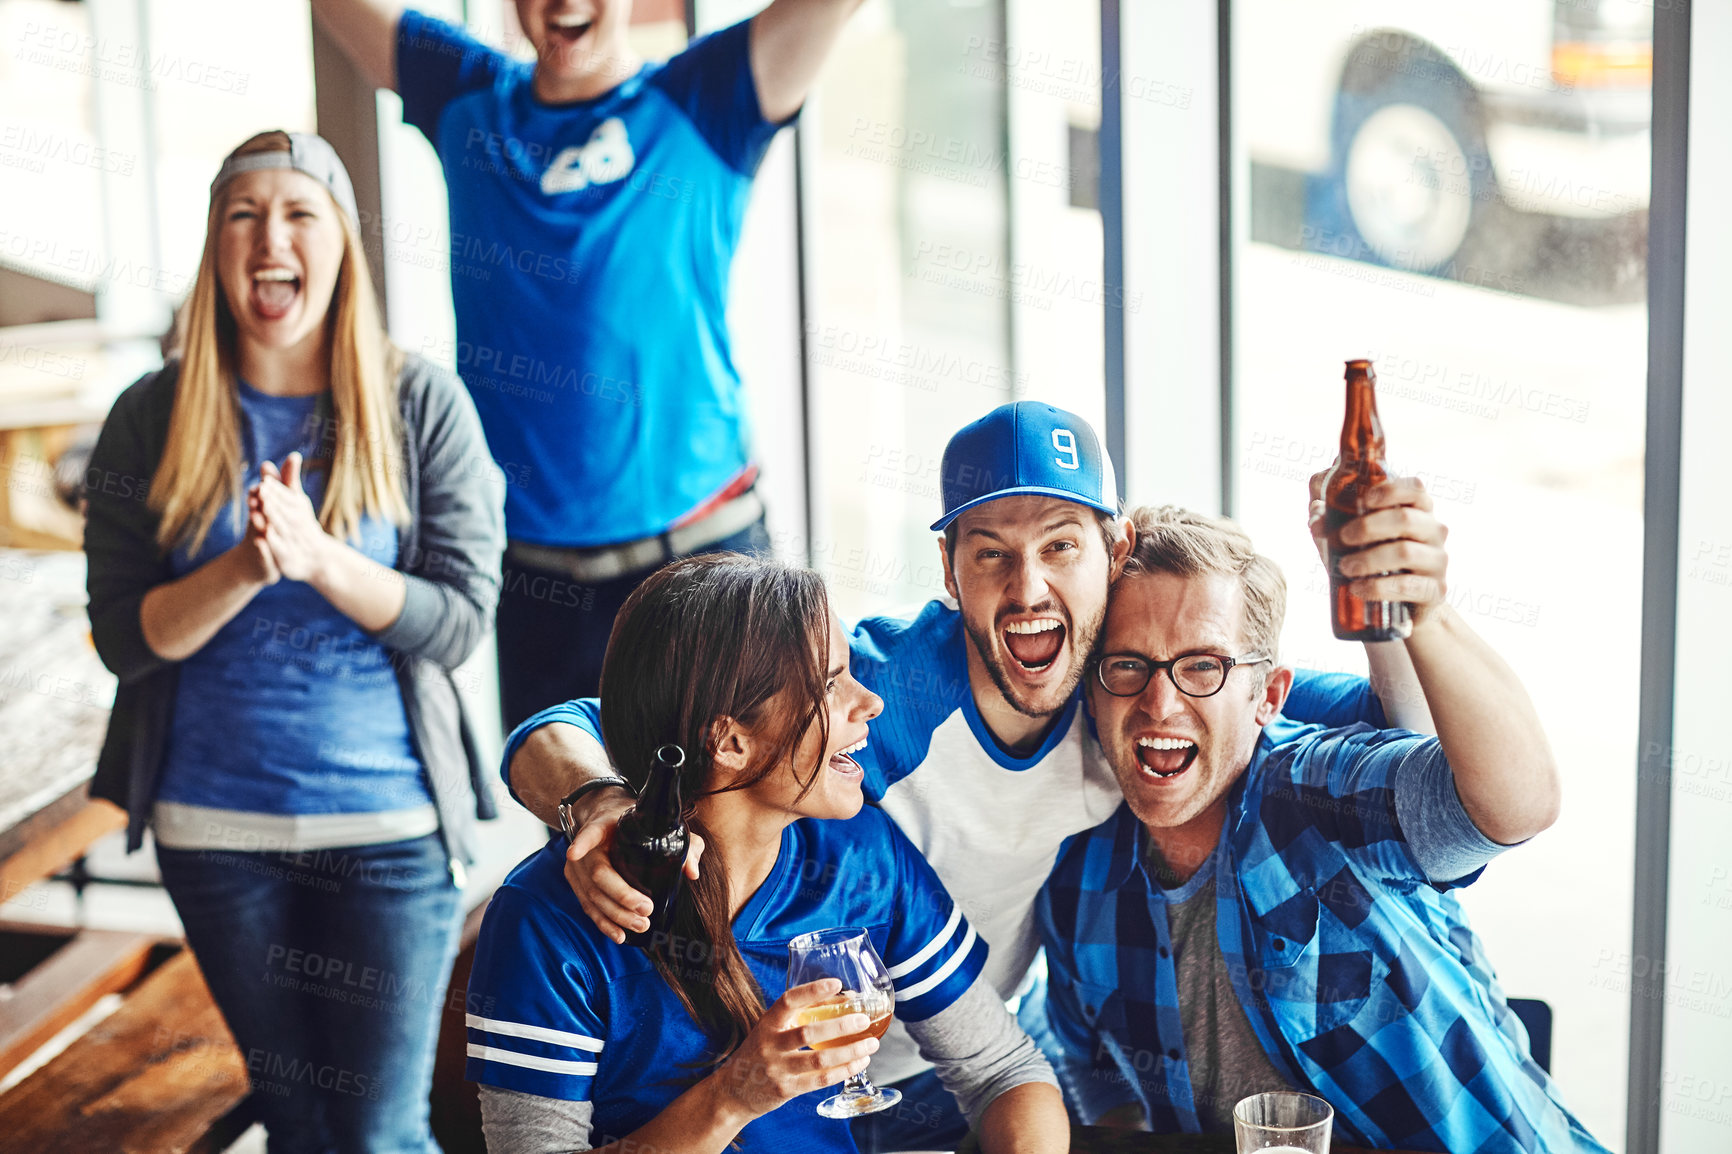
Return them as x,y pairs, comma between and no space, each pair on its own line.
982,755
1271,906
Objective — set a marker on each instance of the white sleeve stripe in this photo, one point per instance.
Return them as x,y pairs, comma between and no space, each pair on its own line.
943,971
530,1061
533,1033
931,947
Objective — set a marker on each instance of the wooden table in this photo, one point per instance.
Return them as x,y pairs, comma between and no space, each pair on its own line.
1101,1140
159,1074
54,702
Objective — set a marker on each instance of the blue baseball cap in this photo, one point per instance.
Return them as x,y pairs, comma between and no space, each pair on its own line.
1026,447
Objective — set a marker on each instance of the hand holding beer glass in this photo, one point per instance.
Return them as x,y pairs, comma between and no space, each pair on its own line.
1284,1122
847,955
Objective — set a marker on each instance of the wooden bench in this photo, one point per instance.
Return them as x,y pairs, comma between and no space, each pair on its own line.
56,976
161,1075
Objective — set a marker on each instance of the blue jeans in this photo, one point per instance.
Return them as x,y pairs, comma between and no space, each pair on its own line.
552,633
330,967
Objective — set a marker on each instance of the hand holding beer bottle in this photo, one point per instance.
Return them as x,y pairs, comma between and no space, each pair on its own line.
1358,469
610,901
649,846
1379,541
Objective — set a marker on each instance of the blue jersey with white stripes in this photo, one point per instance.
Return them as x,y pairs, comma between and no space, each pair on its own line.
989,822
558,1010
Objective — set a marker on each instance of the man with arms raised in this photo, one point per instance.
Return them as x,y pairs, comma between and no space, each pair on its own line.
596,204
982,755
1272,906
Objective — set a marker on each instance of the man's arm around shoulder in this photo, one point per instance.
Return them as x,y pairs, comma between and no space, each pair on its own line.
546,759
552,760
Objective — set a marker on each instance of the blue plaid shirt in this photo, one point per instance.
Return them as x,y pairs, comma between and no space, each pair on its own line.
1361,979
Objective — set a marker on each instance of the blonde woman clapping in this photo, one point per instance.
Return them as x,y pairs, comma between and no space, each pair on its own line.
313,547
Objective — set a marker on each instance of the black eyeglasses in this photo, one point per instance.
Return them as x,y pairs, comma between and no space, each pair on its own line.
1194,675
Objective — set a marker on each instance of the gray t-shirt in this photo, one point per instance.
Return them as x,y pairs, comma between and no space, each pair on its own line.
1226,1060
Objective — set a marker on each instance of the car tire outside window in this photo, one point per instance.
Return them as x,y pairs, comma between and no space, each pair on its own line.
1409,176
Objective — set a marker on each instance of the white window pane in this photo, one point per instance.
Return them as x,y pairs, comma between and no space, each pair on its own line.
952,268
1460,194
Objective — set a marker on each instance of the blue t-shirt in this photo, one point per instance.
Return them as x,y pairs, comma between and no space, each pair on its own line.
590,249
291,708
558,1010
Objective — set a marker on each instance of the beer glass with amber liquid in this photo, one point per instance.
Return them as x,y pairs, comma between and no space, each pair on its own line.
847,955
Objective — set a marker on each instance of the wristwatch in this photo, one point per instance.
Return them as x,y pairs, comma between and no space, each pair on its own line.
566,821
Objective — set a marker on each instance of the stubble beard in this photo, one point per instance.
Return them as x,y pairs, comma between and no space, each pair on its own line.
1082,644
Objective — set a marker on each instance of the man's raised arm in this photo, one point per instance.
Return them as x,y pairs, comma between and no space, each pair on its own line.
366,30
789,42
1490,732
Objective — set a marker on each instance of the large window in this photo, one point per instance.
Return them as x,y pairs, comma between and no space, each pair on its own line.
113,119
1694,1082
1457,189
954,257
1459,192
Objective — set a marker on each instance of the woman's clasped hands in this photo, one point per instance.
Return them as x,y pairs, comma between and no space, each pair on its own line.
283,530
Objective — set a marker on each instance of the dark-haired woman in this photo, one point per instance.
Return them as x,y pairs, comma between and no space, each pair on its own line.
580,1042
293,537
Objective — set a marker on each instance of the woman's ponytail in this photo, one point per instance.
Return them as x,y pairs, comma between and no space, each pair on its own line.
705,640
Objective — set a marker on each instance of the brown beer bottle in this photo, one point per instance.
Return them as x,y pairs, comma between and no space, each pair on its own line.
649,847
1359,467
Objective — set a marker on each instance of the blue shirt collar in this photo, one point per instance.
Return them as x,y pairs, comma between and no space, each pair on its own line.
626,89
989,743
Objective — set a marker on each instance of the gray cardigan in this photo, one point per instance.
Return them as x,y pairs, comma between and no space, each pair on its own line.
449,554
